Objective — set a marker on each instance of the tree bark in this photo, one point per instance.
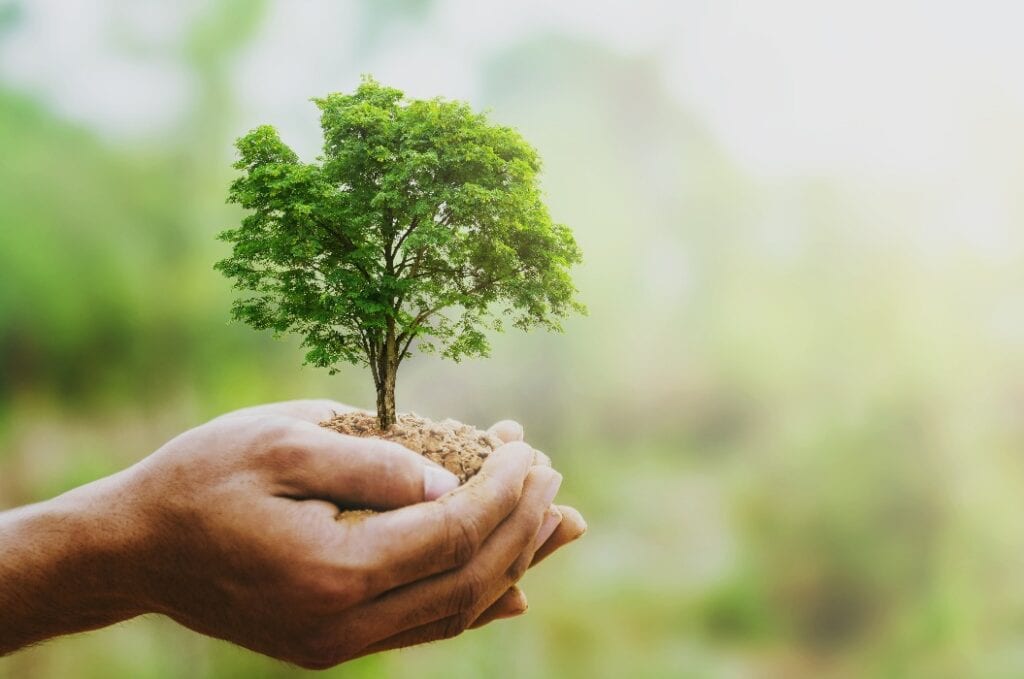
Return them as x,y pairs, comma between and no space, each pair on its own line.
388,370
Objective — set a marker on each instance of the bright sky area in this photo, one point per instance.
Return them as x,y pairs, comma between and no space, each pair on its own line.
916,96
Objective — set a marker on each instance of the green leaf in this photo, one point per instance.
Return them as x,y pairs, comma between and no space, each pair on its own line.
422,221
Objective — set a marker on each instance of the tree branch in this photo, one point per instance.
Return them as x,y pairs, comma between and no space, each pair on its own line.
407,261
364,340
486,284
412,227
348,243
407,335
426,273
405,347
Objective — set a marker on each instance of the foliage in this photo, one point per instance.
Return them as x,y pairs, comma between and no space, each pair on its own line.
422,222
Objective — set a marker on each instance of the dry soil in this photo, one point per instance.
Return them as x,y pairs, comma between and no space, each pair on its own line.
459,448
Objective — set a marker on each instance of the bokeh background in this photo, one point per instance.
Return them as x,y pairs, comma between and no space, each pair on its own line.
794,417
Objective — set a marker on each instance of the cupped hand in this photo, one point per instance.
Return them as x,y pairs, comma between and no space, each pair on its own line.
240,533
570,526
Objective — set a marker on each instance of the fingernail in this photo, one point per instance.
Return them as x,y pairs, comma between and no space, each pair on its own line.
539,458
437,482
552,518
575,518
553,485
517,607
521,604
507,430
511,614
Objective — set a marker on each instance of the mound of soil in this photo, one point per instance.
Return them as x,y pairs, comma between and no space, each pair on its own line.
459,448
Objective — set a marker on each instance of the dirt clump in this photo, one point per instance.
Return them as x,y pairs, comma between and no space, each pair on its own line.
459,448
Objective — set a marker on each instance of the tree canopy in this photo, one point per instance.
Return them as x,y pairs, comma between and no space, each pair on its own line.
421,225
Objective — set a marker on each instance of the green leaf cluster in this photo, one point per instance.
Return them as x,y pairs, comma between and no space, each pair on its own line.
421,225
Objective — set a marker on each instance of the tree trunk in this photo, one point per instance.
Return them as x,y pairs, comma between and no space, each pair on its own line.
387,369
386,401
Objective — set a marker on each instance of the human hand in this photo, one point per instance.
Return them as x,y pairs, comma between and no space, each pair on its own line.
242,541
569,526
562,524
235,530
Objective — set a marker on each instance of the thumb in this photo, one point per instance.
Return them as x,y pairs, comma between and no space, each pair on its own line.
352,471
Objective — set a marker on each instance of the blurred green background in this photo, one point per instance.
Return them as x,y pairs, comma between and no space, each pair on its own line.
794,417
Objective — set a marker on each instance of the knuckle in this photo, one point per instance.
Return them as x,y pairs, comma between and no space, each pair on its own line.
339,589
275,427
359,585
518,569
507,497
455,625
282,445
462,600
463,536
323,589
272,433
470,590
318,652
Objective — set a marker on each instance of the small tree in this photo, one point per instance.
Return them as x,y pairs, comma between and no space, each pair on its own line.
422,222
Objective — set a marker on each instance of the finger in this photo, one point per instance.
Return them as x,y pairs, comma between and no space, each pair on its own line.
415,542
422,634
507,430
316,411
511,604
552,519
313,410
572,527
314,463
468,591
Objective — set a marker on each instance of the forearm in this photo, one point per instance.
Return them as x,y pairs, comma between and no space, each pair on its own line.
65,566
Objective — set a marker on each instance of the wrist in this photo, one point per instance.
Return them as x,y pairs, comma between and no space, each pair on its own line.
66,565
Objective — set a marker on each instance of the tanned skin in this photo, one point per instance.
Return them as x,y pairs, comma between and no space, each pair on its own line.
233,530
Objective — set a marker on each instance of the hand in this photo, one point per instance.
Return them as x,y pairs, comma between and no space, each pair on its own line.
562,524
570,526
232,529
